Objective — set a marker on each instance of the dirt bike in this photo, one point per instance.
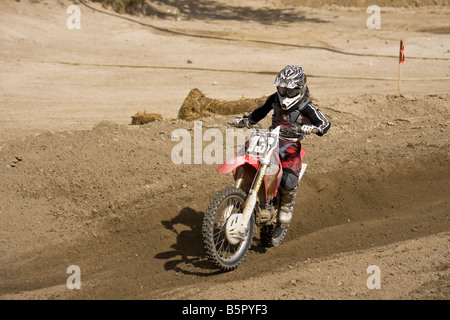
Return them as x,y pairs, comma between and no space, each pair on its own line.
229,221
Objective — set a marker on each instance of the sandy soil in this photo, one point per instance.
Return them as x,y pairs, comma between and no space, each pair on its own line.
81,186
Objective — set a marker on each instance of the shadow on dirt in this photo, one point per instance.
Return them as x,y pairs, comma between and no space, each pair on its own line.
212,10
188,255
439,30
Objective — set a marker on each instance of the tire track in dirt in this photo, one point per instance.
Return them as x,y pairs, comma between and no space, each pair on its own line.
111,201
161,249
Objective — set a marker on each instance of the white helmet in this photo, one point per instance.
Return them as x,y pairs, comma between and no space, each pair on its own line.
291,86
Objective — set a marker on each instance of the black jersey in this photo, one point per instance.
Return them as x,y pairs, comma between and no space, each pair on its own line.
304,112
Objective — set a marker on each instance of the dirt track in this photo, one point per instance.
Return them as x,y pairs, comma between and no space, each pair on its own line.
80,186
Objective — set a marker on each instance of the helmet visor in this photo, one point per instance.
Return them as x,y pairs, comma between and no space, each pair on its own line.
290,93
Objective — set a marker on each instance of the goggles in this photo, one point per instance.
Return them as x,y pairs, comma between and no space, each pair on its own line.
290,93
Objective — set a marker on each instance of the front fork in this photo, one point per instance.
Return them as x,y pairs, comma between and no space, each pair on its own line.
250,202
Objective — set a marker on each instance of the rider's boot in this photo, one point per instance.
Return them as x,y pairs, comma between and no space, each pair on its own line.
287,205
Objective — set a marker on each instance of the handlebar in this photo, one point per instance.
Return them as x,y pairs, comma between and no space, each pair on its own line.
248,125
289,130
258,126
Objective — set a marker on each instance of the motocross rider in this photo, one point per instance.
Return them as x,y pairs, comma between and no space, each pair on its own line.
292,109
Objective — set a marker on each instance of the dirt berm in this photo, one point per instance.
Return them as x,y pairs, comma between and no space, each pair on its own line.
111,201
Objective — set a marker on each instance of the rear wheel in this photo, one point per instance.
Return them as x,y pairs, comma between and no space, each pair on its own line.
222,248
272,235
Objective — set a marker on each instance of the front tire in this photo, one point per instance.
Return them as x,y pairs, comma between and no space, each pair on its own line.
219,250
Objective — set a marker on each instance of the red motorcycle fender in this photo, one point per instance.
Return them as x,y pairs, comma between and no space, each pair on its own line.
233,163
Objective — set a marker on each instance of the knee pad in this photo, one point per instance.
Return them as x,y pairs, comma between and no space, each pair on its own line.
289,181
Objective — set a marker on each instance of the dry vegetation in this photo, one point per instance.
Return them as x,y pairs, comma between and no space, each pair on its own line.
144,117
196,105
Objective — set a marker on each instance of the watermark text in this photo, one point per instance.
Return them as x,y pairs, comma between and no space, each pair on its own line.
374,20
74,281
74,20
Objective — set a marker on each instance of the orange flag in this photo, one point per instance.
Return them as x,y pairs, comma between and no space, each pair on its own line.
402,51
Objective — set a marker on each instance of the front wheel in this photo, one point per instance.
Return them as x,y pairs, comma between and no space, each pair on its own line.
223,211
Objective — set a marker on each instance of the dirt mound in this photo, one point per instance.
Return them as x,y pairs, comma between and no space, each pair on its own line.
196,106
111,201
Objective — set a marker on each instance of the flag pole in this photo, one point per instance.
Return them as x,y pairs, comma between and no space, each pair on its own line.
401,60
